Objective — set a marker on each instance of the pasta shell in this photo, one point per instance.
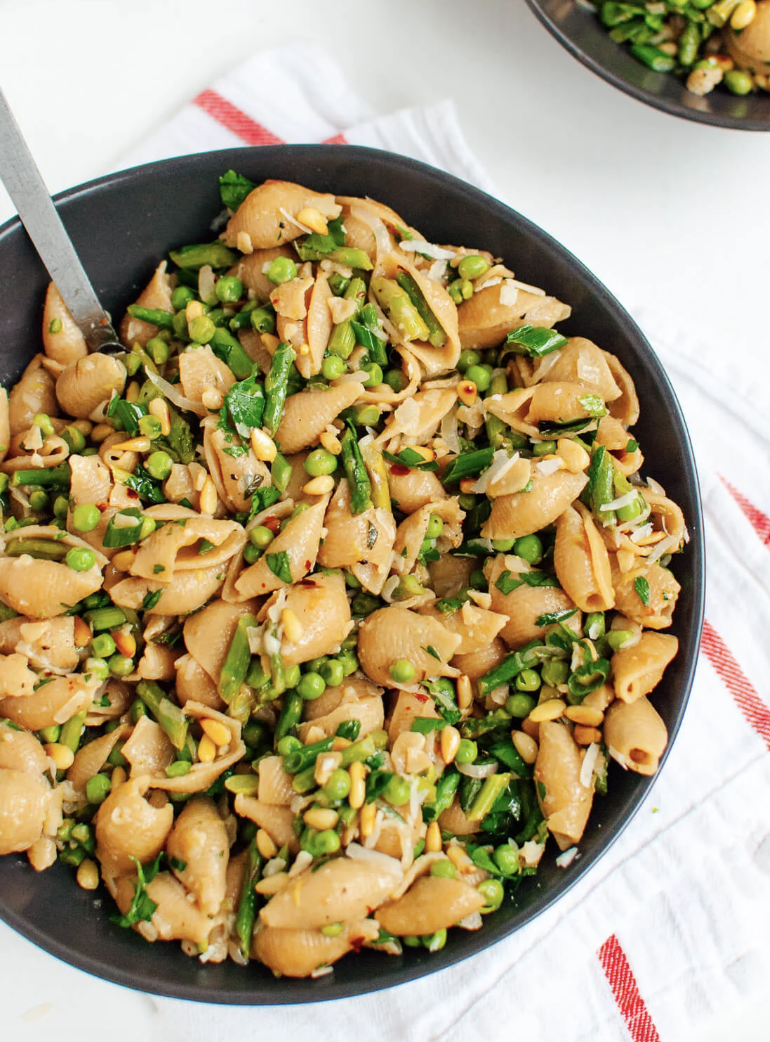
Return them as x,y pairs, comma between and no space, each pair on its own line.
626,407
235,477
418,417
297,953
409,706
157,296
21,751
53,703
200,369
48,645
559,403
127,827
435,360
340,890
208,633
199,839
267,214
394,633
176,918
635,735
24,801
187,591
87,383
433,903
175,548
274,783
193,684
513,409
523,606
35,392
613,435
307,414
203,775
298,540
353,538
411,532
658,613
581,561
480,662
277,821
526,512
564,800
62,338
251,270
149,749
90,759
16,678
476,627
352,700
318,328
321,606
450,574
455,821
637,670
412,489
485,322
582,362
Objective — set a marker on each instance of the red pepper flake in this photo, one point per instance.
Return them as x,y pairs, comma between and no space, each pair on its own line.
357,943
132,493
420,696
273,523
308,565
399,469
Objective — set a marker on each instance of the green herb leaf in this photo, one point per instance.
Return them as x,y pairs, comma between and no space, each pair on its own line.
151,599
349,729
128,414
244,406
432,651
593,405
449,605
142,906
550,617
125,534
442,692
149,490
632,445
642,588
206,546
408,457
179,442
507,584
534,341
376,783
177,864
233,189
424,725
469,464
279,565
316,244
261,499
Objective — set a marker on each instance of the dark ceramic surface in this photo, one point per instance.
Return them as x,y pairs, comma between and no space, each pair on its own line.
579,30
121,226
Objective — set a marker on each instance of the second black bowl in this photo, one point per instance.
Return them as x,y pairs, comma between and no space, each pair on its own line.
578,29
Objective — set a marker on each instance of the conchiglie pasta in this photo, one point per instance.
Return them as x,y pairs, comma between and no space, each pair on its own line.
322,609
637,670
661,597
523,605
485,322
412,489
250,269
431,904
62,339
477,663
526,512
128,826
34,393
21,751
157,296
24,801
262,216
581,561
307,414
85,384
635,735
199,841
393,633
297,953
564,800
53,703
298,543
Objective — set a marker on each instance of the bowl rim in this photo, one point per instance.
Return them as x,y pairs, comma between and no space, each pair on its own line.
668,105
305,989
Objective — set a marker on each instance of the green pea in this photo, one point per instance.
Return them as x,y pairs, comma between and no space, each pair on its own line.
85,517
178,769
60,507
43,421
74,438
97,788
395,380
38,500
320,461
80,559
412,942
472,267
467,500
467,751
478,581
427,545
292,675
594,625
617,638
315,664
98,668
374,374
50,734
529,548
555,672
480,376
338,283
137,711
157,349
202,329
263,320
434,942
255,733
443,869
408,586
282,269
332,930
467,359
397,791
454,291
311,686
333,673
502,546
351,582
738,82
103,645
337,786
435,527
348,660
148,527
179,322
544,448
251,554
528,680
466,288
333,367
327,842
364,604
121,665
367,416
507,859
287,745
493,893
159,465
150,427
229,289
260,536
181,297
519,706
402,671
116,757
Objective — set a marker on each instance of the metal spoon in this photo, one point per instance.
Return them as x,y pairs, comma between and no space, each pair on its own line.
39,216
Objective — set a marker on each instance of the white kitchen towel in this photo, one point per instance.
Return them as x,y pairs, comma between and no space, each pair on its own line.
665,931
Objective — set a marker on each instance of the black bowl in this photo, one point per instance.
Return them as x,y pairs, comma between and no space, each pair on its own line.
578,29
121,225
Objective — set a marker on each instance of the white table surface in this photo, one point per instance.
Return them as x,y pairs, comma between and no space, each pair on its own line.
669,214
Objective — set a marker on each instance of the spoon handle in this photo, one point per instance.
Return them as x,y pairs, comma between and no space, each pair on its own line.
27,189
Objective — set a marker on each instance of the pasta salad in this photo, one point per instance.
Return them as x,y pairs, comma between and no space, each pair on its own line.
331,598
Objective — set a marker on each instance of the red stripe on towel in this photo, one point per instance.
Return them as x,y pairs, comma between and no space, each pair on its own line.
625,991
758,520
737,683
338,139
237,122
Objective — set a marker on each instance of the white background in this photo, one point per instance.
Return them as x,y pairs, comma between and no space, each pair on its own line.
670,215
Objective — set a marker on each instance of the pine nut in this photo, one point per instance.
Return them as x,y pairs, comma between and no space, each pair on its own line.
331,443
326,765
82,632
433,842
464,692
292,627
84,426
117,778
367,817
101,431
450,743
265,844
466,485
531,728
525,746
208,498
132,392
207,750
88,875
272,884
243,242
193,310
357,785
743,15
217,732
125,642
460,859
304,349
586,735
320,818
62,756
211,398
123,560
467,392
340,743
319,486
263,446
314,220
576,459
583,714
550,710
159,409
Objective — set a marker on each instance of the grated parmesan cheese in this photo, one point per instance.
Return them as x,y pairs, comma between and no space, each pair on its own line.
426,248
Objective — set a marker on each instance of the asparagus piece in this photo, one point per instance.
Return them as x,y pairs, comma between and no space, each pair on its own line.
291,714
306,756
446,787
275,385
343,338
59,476
247,905
490,790
72,731
40,549
227,348
601,488
169,716
237,660
437,335
156,317
195,256
378,476
355,471
401,311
